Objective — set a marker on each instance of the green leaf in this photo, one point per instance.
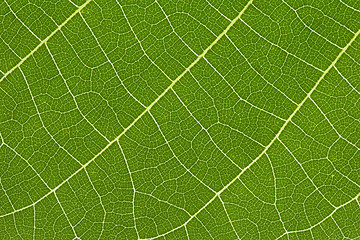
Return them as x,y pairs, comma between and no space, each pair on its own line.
191,119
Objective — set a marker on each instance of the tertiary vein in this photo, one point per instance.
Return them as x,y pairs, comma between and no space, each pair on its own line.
142,114
163,93
274,139
44,41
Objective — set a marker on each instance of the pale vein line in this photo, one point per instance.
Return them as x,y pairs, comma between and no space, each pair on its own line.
347,5
342,25
273,44
22,21
7,196
218,10
163,201
228,217
42,122
272,141
207,132
238,131
355,61
193,18
73,3
354,88
173,153
240,98
327,157
72,95
330,215
253,194
94,92
19,155
137,39
34,232
101,203
275,192
9,49
133,185
307,176
207,230
111,63
187,234
332,126
142,114
173,29
42,10
338,227
306,26
253,68
66,216
206,92
44,41
17,231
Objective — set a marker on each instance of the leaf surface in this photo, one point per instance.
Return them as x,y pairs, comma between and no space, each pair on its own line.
186,119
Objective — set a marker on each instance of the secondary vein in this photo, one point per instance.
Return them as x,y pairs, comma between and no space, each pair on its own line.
273,140
142,114
44,41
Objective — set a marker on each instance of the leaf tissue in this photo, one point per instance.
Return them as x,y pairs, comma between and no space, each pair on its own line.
168,119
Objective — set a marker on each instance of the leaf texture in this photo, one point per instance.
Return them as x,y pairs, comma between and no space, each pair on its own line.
167,119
